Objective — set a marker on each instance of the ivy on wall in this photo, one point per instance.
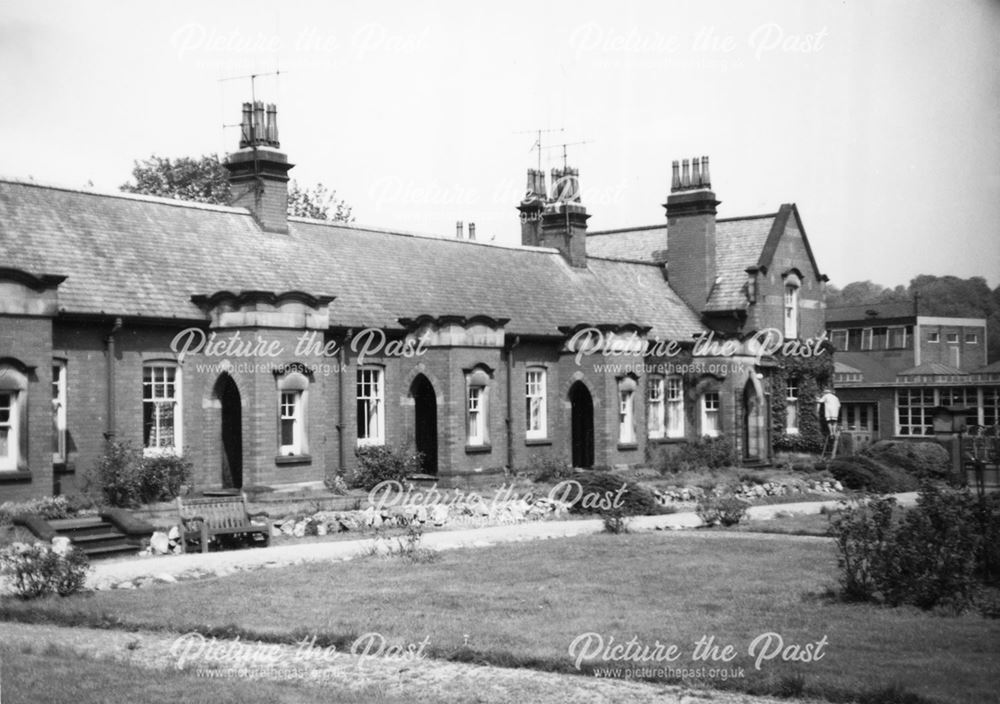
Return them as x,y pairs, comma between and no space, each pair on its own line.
810,374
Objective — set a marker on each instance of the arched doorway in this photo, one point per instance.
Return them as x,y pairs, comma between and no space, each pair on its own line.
754,427
582,424
232,431
425,422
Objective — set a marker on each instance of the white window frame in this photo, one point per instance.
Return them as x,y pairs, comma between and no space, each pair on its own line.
626,411
918,394
59,391
860,416
475,409
888,337
290,408
971,338
934,337
370,406
867,339
711,406
792,408
153,443
948,338
675,407
12,425
656,407
536,411
791,311
835,335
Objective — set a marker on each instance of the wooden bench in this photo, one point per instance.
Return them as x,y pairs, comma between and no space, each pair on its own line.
202,520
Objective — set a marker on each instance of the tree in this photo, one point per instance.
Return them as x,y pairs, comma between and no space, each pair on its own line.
203,179
206,180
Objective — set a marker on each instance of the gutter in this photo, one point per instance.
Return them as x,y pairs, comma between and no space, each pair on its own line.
510,402
111,428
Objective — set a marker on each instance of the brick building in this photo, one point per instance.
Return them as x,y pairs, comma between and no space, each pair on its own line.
268,349
894,366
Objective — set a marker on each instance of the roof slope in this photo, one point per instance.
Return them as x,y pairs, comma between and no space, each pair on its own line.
861,312
133,256
738,246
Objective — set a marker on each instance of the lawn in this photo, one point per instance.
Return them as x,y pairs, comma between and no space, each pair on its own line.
68,678
524,604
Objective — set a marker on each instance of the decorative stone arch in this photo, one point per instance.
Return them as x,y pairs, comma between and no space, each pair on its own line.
425,393
581,401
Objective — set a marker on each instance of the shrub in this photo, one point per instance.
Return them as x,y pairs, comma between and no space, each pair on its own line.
930,558
127,479
724,511
615,522
48,507
119,475
863,534
862,473
37,569
713,453
550,468
599,491
921,459
162,477
336,484
381,463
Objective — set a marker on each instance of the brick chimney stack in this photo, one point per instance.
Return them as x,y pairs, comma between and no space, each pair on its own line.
258,171
564,219
531,207
691,209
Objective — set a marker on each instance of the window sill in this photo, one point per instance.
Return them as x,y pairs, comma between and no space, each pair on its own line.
8,476
536,442
628,446
666,440
478,449
293,459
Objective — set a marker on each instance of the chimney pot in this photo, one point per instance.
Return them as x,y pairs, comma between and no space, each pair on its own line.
705,177
459,228
246,126
258,123
472,231
675,182
272,125
695,173
685,174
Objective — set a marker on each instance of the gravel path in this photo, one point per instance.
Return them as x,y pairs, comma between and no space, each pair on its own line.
420,680
107,573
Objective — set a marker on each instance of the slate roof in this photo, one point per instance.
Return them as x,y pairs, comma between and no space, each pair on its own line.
739,243
859,313
140,256
637,243
933,369
874,371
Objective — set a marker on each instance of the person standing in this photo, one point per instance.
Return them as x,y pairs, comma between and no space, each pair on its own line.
828,409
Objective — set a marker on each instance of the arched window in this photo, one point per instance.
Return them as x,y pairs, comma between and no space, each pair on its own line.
477,407
13,418
626,410
792,285
293,388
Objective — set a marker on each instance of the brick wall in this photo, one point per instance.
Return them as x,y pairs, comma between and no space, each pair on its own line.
28,341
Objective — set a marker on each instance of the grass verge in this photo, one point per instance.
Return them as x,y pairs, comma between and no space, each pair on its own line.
523,605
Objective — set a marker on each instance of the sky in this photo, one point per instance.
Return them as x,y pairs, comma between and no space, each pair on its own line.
879,119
